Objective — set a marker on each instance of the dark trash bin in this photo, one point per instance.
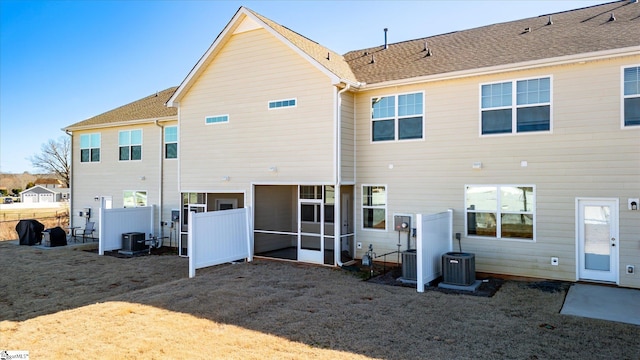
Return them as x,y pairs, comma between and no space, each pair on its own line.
55,237
29,232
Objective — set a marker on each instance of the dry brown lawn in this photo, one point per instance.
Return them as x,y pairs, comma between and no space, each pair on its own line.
64,303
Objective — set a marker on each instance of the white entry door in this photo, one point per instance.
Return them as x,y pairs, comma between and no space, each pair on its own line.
597,231
311,231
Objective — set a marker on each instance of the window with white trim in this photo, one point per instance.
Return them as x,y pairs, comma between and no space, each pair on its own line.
134,198
90,147
279,104
217,119
171,142
501,211
631,96
374,207
130,145
531,112
397,117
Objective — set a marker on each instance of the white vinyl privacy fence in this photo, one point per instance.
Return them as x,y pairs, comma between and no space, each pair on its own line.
115,222
218,237
434,234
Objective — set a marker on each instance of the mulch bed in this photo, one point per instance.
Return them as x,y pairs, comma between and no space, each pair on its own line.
165,250
391,277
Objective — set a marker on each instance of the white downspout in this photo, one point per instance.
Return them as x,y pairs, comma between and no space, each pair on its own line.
337,212
160,180
71,197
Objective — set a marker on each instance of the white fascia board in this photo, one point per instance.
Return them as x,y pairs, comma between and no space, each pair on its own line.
334,78
204,59
121,123
231,26
562,60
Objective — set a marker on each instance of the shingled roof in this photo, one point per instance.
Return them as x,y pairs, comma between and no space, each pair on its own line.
580,31
150,107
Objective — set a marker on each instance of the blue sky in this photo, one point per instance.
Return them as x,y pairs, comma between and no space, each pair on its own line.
64,61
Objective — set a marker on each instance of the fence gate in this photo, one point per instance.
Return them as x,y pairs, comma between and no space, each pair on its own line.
218,237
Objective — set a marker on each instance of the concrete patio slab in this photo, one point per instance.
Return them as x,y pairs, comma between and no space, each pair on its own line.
603,302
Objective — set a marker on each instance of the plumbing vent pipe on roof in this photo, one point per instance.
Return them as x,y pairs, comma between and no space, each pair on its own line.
372,60
550,22
426,48
612,18
385,38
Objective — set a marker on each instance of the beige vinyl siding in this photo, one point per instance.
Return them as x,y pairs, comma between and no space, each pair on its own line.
348,138
299,140
586,154
110,177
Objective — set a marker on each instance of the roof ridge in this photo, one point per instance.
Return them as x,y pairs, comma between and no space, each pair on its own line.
585,7
573,32
624,2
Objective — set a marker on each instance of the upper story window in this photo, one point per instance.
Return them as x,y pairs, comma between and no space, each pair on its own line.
374,207
500,211
531,112
278,104
90,147
397,117
631,96
170,142
218,119
130,143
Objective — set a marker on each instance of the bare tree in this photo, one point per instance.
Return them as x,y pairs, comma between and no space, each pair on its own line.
55,158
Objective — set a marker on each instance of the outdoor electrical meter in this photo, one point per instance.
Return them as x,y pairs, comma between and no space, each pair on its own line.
402,223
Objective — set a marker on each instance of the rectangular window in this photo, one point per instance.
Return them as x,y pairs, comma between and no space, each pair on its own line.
278,104
134,198
397,117
218,119
90,147
631,96
532,110
171,142
374,207
500,211
130,145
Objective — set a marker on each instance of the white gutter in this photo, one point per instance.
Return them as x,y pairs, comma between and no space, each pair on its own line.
337,213
120,123
160,179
